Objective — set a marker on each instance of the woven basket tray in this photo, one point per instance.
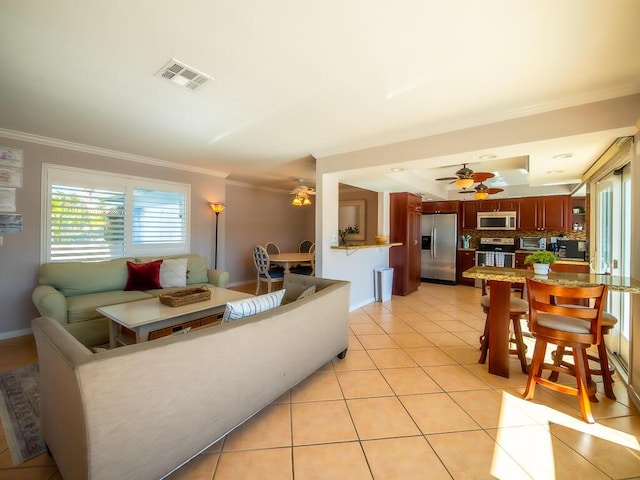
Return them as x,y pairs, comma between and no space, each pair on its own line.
186,296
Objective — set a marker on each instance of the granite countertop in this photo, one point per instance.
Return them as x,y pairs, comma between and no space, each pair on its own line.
519,275
466,249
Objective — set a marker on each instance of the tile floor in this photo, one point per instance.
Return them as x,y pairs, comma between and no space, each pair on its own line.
409,401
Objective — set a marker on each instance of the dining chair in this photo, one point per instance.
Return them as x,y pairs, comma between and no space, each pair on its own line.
304,246
567,326
265,273
518,309
271,248
307,268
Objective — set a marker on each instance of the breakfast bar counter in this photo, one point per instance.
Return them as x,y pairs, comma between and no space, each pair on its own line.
500,280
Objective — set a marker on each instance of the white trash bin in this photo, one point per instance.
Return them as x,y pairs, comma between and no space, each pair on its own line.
383,283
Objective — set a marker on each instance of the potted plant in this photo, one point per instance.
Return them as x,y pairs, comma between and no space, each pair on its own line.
349,230
541,261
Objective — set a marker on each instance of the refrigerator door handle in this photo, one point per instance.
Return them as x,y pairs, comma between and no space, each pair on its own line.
433,242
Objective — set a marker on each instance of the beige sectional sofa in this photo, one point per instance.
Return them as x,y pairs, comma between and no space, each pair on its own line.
70,292
141,411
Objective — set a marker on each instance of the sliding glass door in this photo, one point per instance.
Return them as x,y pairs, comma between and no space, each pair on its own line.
612,253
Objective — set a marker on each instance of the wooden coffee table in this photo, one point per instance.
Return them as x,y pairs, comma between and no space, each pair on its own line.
144,316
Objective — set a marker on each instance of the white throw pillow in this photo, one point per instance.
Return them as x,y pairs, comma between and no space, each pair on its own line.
308,291
251,306
173,272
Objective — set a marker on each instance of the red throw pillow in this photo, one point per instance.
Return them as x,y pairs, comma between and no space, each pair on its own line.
143,276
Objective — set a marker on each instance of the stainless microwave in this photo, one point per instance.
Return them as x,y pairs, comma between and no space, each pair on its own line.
496,221
533,243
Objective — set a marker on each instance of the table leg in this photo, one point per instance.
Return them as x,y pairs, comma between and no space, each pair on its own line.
113,333
499,328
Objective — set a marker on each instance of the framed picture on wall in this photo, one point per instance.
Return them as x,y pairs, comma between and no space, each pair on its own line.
7,199
353,213
11,157
10,177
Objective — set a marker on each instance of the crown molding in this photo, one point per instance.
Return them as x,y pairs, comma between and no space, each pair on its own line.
79,147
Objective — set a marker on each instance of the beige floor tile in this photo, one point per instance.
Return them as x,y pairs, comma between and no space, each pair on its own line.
615,453
552,457
317,386
356,360
492,409
463,354
437,413
424,326
469,337
269,428
354,343
409,381
199,468
396,326
381,417
270,464
516,379
363,383
321,422
366,329
454,326
374,342
391,358
403,459
33,473
430,356
454,378
441,339
410,340
474,455
337,460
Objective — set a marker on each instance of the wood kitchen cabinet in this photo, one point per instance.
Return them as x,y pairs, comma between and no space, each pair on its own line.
445,206
466,260
544,213
469,214
520,257
405,218
498,205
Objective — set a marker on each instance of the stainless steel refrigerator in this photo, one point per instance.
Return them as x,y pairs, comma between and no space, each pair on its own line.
439,247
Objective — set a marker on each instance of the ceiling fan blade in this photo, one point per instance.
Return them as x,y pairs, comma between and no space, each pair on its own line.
482,176
492,191
446,178
467,191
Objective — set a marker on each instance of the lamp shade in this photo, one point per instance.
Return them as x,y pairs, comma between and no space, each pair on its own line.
297,201
217,207
481,195
464,182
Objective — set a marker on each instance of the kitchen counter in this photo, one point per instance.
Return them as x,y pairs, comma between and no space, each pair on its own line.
466,249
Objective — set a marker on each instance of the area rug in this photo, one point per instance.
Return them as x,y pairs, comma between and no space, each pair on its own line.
20,413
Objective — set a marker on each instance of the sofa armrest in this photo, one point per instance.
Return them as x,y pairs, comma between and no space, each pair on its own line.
219,278
50,303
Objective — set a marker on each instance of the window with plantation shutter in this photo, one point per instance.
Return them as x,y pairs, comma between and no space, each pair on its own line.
98,216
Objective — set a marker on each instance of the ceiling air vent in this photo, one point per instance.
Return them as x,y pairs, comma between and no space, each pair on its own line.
183,75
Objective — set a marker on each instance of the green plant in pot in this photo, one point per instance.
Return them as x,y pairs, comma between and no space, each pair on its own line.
349,230
541,261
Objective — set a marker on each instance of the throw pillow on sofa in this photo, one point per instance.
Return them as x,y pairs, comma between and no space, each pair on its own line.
173,272
143,276
251,306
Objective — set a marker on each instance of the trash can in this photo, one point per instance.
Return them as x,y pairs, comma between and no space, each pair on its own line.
383,283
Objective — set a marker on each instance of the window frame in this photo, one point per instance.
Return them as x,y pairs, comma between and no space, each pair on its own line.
88,178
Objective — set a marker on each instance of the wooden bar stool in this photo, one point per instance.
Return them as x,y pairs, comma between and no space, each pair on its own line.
518,309
606,370
565,326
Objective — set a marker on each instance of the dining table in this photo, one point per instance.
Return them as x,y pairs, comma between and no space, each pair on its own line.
287,260
500,280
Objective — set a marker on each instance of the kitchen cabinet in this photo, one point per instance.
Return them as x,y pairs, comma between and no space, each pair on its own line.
469,214
520,257
498,205
544,213
578,215
405,217
466,260
445,206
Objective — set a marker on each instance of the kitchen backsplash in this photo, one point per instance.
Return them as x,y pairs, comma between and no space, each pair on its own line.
476,235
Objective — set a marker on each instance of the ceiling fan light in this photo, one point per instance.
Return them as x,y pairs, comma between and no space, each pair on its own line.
464,183
306,201
481,195
297,201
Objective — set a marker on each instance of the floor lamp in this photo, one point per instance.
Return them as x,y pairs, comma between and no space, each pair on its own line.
217,208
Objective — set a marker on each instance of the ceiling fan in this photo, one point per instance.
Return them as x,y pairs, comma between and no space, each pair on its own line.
465,177
481,191
302,193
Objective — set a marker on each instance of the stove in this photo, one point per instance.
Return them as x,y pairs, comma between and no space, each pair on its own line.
496,252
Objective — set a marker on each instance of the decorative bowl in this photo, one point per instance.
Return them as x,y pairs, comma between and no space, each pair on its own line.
381,240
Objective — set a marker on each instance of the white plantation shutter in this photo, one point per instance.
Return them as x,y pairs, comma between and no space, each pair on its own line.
97,216
86,224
